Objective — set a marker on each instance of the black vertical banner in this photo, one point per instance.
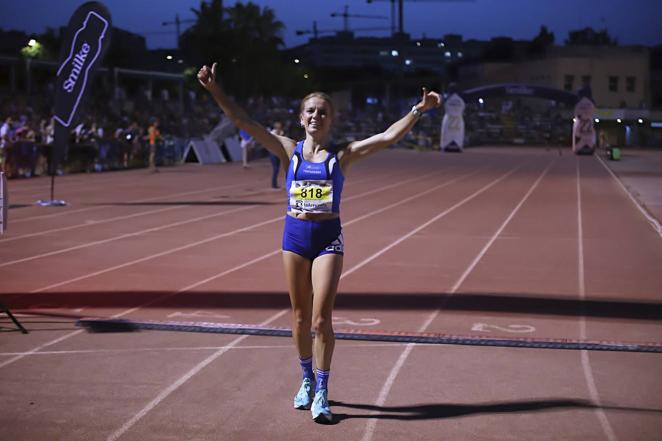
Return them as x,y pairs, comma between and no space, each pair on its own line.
84,44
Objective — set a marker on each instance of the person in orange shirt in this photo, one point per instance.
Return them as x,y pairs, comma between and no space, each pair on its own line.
154,136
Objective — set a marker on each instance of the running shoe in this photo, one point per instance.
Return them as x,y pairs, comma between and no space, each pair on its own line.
304,398
320,408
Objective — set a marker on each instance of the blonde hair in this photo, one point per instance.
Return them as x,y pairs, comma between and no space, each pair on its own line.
320,95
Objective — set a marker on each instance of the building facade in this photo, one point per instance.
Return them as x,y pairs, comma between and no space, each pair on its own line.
397,53
618,77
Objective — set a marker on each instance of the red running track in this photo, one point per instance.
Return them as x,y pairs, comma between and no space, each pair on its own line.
493,242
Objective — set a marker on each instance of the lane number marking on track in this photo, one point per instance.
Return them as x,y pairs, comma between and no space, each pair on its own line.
340,321
520,329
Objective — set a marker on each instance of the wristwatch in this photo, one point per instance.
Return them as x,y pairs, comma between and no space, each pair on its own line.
417,113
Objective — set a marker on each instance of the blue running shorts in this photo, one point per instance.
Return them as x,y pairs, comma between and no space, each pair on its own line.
311,239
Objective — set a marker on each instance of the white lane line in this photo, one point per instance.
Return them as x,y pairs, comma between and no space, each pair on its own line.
138,201
175,224
482,252
91,223
390,380
87,244
86,181
119,218
184,378
39,348
127,235
188,349
586,362
392,375
277,251
651,220
199,283
411,198
164,394
205,362
80,181
156,255
265,256
196,369
434,219
71,185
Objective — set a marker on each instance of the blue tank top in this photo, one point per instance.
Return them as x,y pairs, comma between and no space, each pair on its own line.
313,187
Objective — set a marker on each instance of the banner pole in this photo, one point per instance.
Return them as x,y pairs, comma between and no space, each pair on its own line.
52,166
4,203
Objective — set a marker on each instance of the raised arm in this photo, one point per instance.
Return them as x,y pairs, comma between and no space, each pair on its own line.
360,149
281,146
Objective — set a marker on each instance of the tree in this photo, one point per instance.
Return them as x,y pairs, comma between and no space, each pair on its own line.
245,40
252,24
588,36
254,49
207,39
541,42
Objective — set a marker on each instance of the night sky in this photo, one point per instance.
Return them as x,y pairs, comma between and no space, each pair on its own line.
629,21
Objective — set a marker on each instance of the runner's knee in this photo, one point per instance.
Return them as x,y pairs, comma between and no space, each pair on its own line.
301,319
322,325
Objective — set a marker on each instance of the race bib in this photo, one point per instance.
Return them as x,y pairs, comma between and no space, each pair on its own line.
312,196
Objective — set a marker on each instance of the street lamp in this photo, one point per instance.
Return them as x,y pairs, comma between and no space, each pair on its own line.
32,50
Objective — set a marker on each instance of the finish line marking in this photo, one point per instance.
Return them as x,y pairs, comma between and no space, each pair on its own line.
121,325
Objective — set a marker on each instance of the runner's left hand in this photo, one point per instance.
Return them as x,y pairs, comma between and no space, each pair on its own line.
429,100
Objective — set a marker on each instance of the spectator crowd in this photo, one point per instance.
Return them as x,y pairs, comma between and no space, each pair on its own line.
146,131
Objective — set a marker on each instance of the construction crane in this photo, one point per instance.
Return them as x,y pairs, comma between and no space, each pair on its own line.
346,15
401,8
316,32
177,22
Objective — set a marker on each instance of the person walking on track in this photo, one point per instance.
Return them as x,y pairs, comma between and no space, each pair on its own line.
313,245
